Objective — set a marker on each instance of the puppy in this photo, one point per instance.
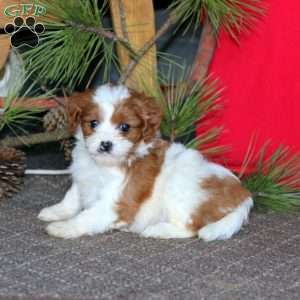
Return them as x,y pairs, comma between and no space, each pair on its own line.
125,176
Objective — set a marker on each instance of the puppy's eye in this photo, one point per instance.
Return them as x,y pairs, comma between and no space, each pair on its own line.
124,127
94,123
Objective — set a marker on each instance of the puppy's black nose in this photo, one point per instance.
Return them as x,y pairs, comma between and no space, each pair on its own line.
105,146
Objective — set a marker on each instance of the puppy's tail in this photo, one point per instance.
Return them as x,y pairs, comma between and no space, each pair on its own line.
226,227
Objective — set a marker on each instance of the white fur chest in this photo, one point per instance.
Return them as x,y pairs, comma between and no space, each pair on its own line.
96,183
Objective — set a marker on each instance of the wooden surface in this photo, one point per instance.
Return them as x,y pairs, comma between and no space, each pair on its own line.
4,50
4,40
3,4
140,23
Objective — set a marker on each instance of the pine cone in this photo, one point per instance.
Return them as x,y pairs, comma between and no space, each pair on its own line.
68,145
12,168
55,119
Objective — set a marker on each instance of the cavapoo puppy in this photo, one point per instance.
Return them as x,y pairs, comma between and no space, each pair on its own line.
125,176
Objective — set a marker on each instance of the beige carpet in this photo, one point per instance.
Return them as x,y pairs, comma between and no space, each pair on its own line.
261,262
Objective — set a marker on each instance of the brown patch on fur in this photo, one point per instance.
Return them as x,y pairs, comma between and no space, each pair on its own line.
142,114
2,73
125,113
75,107
89,113
141,176
224,196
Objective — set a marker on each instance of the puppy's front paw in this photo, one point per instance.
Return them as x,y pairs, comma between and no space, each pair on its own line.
54,213
49,214
149,233
64,230
153,232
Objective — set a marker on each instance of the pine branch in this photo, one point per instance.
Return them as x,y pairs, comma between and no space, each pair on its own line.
32,139
232,15
275,180
59,100
148,45
123,20
184,104
21,106
102,32
74,40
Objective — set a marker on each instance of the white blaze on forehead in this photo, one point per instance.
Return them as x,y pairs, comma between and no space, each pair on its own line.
110,94
107,97
107,112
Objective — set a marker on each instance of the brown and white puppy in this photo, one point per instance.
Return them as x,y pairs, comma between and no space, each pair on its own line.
124,175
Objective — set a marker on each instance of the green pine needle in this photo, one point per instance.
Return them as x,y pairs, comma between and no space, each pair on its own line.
275,182
65,53
184,104
205,142
17,110
233,15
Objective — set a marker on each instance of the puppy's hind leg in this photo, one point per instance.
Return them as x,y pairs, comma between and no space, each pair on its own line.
66,209
166,230
226,227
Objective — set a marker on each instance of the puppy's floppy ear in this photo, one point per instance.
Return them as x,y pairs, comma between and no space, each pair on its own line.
73,113
75,105
150,112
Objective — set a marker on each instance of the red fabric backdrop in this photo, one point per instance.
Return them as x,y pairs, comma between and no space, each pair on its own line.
261,77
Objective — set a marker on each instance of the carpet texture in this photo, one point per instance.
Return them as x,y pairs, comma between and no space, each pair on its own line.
261,262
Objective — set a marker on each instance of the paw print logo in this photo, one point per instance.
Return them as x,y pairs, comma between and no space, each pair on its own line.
24,33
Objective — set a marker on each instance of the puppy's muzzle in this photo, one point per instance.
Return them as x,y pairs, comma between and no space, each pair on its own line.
105,146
